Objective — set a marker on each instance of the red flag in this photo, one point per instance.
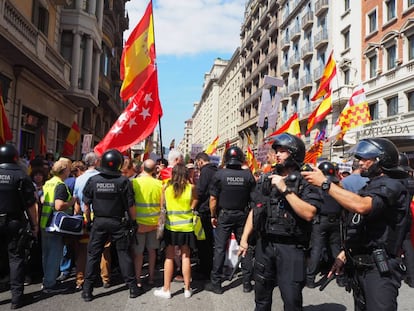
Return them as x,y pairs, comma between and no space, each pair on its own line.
137,121
148,149
291,127
327,76
71,140
5,132
138,56
42,143
319,114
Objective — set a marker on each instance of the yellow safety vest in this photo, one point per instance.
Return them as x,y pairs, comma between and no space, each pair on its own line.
147,191
179,213
49,199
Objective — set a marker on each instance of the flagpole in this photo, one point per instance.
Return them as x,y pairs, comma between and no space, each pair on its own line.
161,147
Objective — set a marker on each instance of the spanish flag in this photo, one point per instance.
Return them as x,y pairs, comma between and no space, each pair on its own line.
138,56
325,82
212,148
291,127
71,140
251,160
5,132
319,114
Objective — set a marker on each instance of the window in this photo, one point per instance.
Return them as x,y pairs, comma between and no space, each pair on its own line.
373,111
345,35
410,2
85,5
82,56
411,101
373,66
391,56
346,76
62,133
66,43
295,105
105,61
392,106
40,17
347,5
372,21
411,47
390,6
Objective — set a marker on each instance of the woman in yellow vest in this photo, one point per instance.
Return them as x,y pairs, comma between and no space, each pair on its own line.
56,197
180,197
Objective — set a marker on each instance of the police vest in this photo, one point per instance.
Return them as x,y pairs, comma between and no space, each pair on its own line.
10,200
384,227
179,213
48,207
147,191
109,198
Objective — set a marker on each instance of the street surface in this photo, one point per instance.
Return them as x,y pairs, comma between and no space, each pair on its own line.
333,298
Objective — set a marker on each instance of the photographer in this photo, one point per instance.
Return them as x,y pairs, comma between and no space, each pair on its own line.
375,225
284,206
17,208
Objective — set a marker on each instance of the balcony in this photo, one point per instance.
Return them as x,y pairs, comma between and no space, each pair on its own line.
321,39
294,88
307,20
294,61
21,43
307,50
285,44
318,72
321,6
295,32
284,69
306,82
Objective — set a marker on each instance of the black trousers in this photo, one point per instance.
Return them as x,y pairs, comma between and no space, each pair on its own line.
205,248
228,221
104,229
325,235
9,234
282,265
409,260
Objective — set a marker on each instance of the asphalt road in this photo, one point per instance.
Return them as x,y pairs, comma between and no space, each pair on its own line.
333,298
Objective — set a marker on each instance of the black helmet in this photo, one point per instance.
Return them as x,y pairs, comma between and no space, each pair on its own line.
404,162
378,148
294,144
234,156
8,154
111,162
329,170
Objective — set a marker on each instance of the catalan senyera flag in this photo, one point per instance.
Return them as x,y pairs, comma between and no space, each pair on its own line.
327,76
138,56
320,113
212,148
42,143
291,127
5,132
71,140
314,152
251,160
355,113
249,139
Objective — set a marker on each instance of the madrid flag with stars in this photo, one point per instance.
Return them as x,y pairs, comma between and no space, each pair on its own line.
138,120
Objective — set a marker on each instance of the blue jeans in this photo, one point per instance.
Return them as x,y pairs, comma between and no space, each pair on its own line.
52,250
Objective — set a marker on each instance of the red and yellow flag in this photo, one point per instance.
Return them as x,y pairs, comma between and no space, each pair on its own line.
212,148
291,127
314,152
5,132
138,56
71,140
251,160
148,149
320,113
327,76
42,143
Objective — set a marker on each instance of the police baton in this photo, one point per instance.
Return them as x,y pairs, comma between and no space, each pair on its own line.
233,272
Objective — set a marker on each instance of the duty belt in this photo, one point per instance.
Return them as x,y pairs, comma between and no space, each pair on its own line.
363,261
331,217
282,239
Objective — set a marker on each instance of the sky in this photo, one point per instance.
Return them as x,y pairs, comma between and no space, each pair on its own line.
189,36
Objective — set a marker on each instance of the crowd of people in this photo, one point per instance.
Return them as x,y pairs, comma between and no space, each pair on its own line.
296,225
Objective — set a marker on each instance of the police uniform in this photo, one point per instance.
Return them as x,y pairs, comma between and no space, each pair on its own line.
111,195
16,195
280,250
232,188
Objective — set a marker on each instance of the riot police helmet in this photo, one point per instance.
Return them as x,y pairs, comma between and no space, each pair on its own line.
293,144
111,162
404,162
329,170
234,156
381,149
8,154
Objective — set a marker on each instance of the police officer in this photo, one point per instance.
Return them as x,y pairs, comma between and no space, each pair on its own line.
112,199
17,208
325,229
284,206
229,199
375,226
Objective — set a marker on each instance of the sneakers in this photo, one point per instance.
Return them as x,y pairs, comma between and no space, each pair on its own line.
135,291
53,290
162,293
216,289
63,277
188,293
